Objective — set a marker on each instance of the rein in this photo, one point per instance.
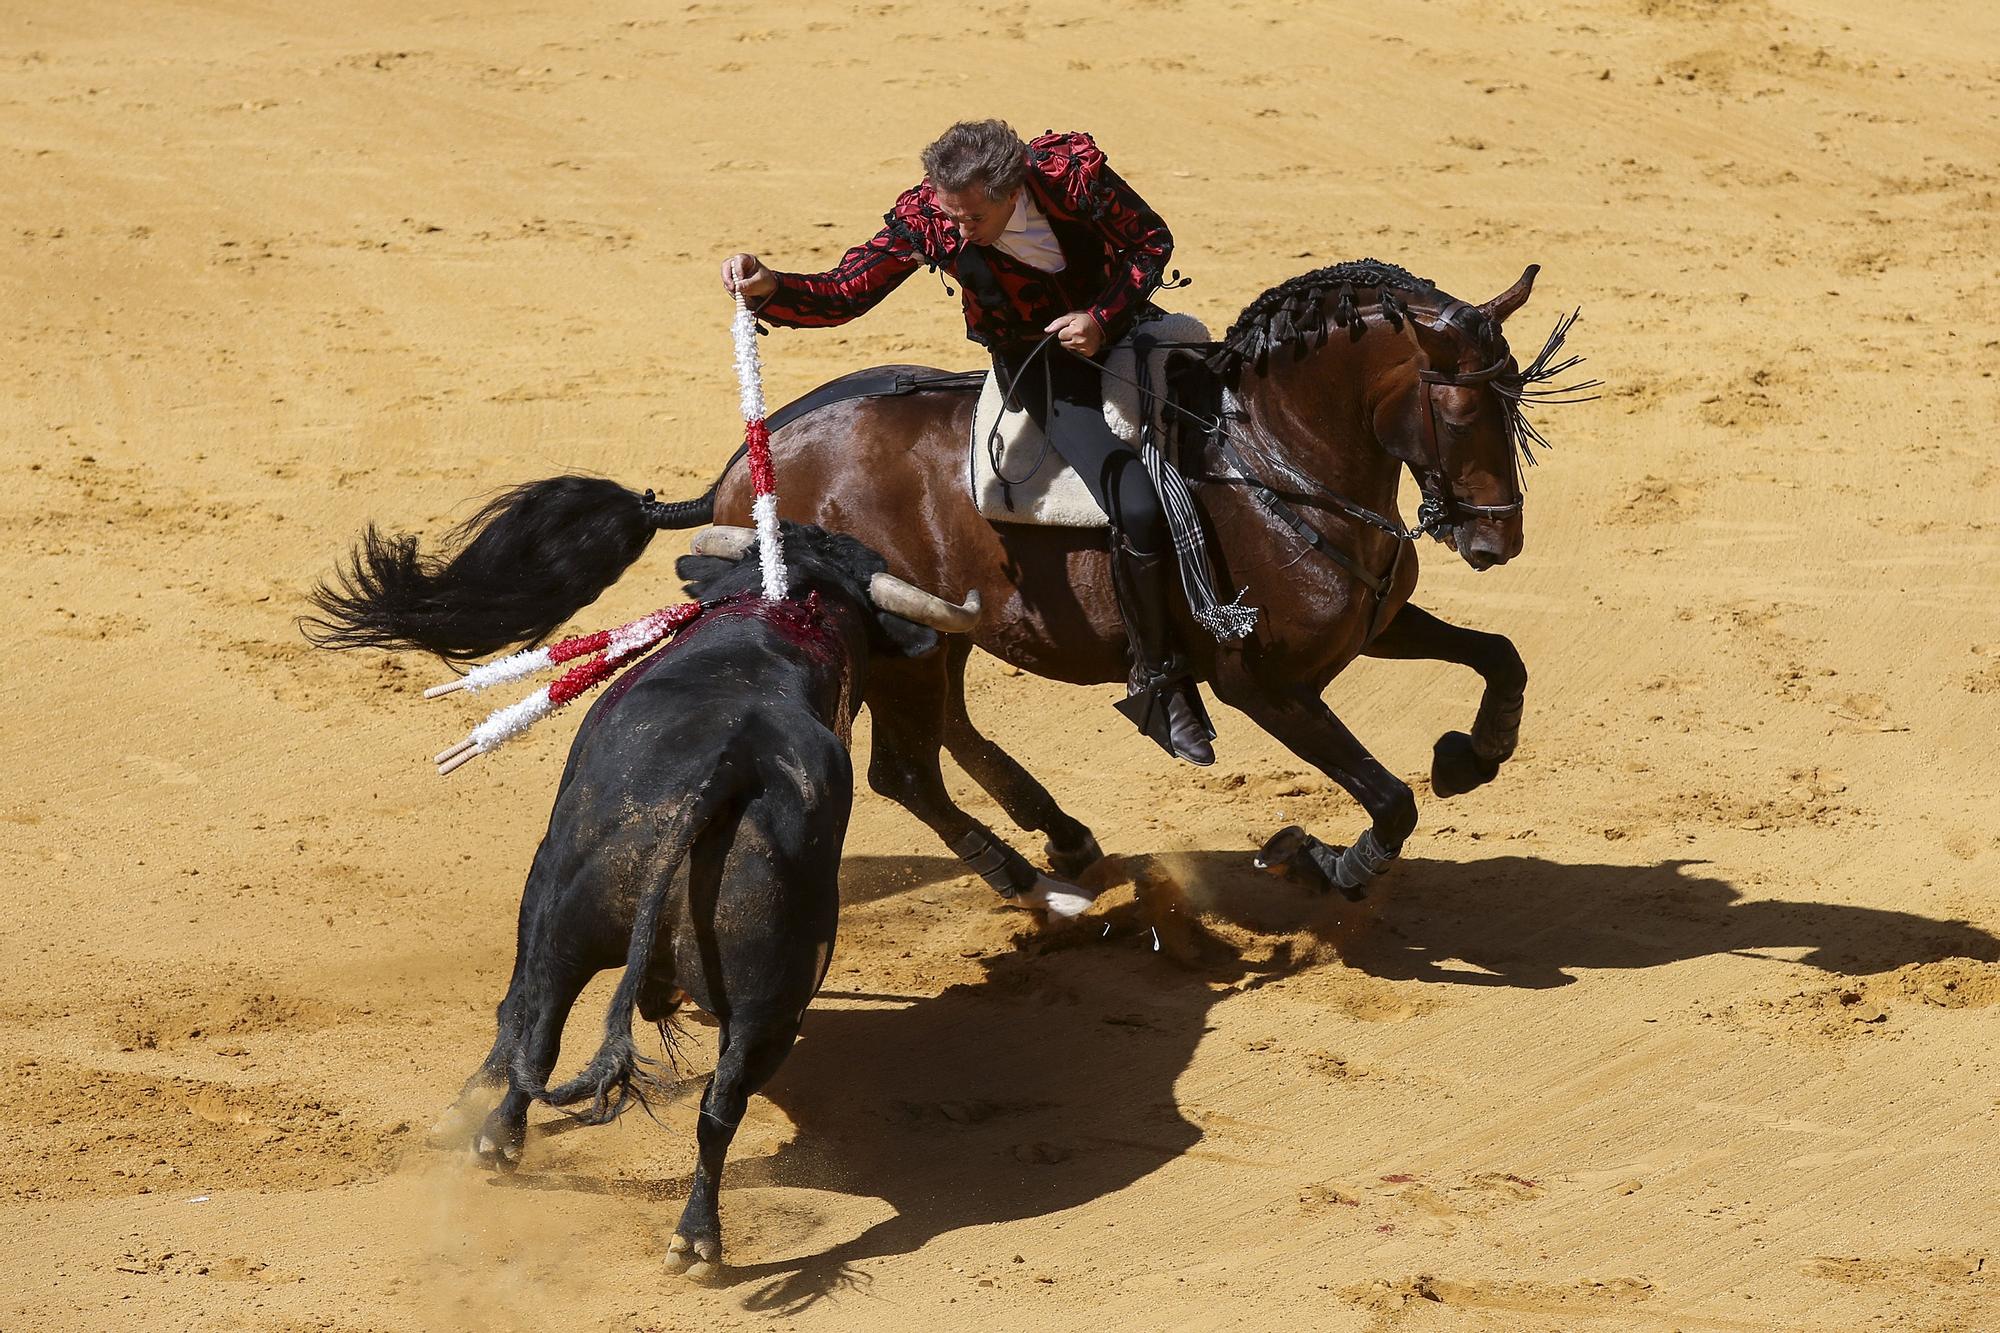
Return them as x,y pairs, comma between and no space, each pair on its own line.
1440,507
1217,428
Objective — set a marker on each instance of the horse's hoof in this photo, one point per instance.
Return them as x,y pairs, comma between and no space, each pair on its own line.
1071,862
1061,901
1280,855
1456,767
1296,855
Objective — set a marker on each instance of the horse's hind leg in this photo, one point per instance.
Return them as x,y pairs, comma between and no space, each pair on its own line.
907,700
1460,762
1071,847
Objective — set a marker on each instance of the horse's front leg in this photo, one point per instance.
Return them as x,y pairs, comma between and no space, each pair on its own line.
1460,762
1309,729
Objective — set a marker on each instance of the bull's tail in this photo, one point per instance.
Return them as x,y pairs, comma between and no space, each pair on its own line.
530,559
616,1079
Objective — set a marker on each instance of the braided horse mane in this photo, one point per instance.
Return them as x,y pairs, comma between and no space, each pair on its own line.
1300,314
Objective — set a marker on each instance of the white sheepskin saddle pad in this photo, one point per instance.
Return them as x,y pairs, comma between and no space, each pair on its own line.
1040,488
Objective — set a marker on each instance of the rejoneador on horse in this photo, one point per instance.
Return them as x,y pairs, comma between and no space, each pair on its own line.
1294,430
1056,257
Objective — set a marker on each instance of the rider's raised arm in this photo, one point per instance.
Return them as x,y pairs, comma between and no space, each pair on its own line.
851,288
1138,234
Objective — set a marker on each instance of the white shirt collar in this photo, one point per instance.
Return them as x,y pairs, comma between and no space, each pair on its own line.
1019,221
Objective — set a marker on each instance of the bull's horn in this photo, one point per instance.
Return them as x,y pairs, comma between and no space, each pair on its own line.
1507,302
912,603
724,542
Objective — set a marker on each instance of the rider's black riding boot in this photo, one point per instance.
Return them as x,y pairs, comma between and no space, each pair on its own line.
1163,700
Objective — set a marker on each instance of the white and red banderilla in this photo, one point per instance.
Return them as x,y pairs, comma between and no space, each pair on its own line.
610,651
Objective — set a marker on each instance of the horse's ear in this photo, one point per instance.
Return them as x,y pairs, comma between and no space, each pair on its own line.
1507,302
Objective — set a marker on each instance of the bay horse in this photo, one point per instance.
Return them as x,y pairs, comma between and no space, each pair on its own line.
1331,384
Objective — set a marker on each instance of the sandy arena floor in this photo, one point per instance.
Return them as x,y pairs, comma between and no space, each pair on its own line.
1689,1022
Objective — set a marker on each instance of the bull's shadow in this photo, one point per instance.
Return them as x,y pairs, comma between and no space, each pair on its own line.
1046,1085
1525,921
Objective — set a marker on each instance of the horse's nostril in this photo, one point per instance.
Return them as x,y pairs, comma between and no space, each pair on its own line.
1482,554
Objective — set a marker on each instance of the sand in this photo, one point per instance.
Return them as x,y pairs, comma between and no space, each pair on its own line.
1688,1022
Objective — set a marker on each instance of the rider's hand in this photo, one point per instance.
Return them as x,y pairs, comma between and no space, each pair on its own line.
742,273
1079,331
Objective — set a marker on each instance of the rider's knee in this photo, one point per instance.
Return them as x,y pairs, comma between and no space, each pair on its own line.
1140,516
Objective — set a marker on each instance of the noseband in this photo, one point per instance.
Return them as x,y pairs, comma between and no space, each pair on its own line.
1440,506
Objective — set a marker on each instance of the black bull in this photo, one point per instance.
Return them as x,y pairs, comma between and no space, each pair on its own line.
696,839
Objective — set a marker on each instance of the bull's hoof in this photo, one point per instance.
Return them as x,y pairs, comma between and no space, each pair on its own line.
1456,767
1072,862
498,1143
695,1260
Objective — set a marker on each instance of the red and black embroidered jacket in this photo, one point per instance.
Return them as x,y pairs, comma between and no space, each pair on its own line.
1114,250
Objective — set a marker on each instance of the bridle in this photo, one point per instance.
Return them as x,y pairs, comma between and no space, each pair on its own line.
1441,507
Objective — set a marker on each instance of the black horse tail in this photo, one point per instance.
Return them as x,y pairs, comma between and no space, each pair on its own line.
530,559
616,1079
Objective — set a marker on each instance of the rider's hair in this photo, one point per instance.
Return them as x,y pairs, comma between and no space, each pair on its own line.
977,152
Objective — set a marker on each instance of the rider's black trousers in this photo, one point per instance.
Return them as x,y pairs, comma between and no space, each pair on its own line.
1064,394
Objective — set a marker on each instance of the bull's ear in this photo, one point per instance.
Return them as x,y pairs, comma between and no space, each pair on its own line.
1507,302
906,637
702,568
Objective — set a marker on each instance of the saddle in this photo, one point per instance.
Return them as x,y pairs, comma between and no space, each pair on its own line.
1013,474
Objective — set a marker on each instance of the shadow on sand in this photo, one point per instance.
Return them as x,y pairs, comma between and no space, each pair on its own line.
1051,1081
1524,921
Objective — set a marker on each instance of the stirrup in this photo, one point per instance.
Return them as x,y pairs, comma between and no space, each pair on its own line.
1149,708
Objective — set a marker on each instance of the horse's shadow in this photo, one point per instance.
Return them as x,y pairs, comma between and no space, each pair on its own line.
1525,920
1528,922
1051,1082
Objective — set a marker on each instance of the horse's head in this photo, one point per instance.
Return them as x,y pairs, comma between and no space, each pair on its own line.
1452,413
1428,379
